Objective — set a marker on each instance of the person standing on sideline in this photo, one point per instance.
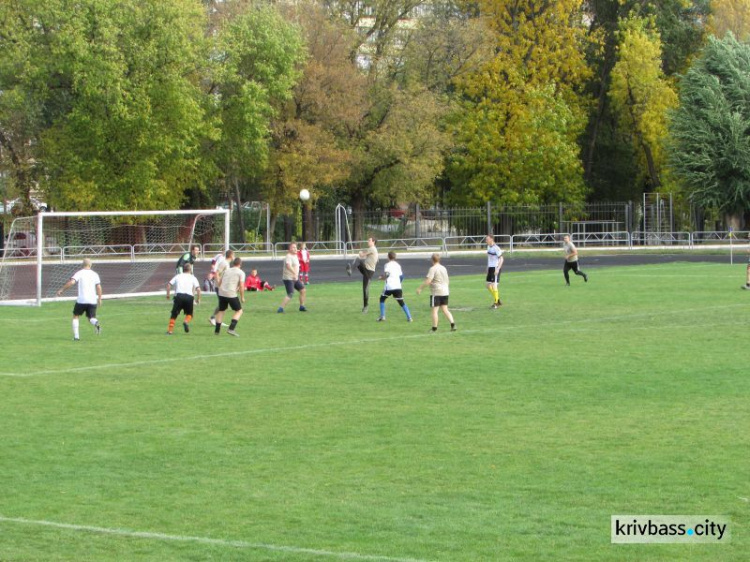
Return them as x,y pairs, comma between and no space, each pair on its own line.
220,265
571,261
186,289
304,263
89,297
393,276
746,286
290,277
232,284
495,261
366,263
187,258
437,279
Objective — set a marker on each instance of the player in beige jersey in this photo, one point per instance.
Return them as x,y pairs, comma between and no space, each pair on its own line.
231,295
437,279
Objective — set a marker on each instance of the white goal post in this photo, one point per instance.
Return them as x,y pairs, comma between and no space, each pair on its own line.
134,252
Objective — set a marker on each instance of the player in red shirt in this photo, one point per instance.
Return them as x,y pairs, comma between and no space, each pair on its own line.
254,283
304,263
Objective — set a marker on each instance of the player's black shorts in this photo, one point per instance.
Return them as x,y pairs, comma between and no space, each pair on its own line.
398,293
89,309
491,277
436,300
229,302
290,285
182,303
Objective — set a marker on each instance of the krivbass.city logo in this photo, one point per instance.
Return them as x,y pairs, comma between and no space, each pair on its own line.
688,529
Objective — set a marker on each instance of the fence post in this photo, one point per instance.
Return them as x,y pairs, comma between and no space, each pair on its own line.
489,218
560,224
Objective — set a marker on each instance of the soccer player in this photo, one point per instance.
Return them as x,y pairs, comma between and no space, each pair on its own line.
187,258
187,291
290,277
304,263
393,276
255,283
366,263
571,261
495,261
232,284
437,279
219,265
89,297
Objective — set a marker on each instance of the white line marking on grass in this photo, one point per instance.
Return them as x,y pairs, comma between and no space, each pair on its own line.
535,326
209,541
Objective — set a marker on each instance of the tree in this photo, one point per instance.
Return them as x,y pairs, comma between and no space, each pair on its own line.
608,155
710,130
641,95
113,117
257,56
730,15
523,111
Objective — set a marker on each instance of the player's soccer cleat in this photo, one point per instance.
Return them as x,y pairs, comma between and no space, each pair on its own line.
169,333
212,321
746,287
410,319
381,319
364,310
494,305
302,309
98,328
453,328
280,310
585,278
76,339
186,326
233,333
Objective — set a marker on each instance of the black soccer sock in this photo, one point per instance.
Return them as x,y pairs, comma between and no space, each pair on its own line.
233,324
217,329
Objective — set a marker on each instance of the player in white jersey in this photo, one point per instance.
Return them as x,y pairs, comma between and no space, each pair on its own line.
186,289
89,297
393,276
494,268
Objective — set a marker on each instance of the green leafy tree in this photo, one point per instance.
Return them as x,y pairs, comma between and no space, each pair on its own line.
710,131
641,95
106,99
257,56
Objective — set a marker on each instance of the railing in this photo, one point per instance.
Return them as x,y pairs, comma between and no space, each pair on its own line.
519,242
585,239
469,243
720,237
674,239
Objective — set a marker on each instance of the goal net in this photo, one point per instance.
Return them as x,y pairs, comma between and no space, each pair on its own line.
135,253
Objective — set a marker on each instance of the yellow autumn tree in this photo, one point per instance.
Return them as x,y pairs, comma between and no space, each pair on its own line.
730,15
642,95
524,110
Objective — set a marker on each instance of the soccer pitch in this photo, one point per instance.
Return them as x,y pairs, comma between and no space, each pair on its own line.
329,436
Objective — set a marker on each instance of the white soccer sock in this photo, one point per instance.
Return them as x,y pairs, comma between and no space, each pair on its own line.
76,335
93,321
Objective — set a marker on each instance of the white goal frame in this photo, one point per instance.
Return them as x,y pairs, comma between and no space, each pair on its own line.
39,246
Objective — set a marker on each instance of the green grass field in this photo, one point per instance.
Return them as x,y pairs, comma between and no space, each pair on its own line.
329,436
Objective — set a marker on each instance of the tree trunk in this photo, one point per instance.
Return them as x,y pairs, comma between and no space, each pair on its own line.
358,212
652,172
308,232
240,217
